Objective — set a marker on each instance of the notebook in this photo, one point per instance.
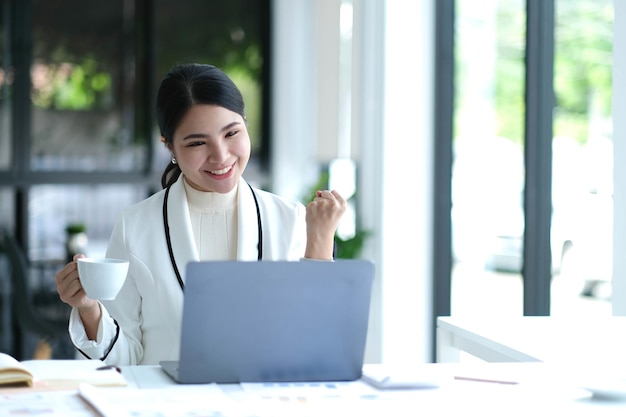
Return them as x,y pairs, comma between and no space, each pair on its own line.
273,321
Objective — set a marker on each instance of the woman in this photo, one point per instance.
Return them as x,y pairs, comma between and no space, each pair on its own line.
206,211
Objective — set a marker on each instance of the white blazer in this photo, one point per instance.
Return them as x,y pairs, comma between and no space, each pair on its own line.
143,324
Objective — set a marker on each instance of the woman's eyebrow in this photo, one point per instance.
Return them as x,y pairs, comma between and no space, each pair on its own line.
204,135
196,136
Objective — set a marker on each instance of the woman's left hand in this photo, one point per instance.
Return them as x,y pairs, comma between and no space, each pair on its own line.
322,217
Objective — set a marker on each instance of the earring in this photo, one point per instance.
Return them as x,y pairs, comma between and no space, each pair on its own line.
174,160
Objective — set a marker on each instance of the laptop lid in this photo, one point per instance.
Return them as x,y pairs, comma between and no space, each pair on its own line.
274,321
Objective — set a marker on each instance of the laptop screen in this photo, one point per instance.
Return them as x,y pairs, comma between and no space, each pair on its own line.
275,321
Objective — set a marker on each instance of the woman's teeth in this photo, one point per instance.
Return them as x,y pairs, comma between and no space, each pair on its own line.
221,171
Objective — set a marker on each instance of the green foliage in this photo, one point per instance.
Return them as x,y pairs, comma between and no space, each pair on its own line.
251,92
582,68
321,184
76,86
75,228
351,248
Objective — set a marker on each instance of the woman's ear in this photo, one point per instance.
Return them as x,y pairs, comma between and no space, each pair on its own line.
167,145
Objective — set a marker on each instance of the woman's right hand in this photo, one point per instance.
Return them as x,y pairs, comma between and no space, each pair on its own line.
71,292
69,287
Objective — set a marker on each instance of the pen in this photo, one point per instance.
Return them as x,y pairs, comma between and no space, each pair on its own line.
107,367
494,381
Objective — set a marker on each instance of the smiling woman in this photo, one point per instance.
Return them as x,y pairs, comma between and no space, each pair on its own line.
209,214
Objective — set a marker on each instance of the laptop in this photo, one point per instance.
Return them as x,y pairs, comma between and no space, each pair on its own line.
273,321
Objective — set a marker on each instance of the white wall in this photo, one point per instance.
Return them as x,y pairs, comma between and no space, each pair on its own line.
368,130
406,192
619,167
294,88
392,136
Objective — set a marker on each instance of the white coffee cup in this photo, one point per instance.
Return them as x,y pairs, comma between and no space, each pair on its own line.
102,278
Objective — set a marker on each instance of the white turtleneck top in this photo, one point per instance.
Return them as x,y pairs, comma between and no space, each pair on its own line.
214,223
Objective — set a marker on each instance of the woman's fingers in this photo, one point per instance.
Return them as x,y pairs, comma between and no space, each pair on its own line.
322,217
326,208
68,284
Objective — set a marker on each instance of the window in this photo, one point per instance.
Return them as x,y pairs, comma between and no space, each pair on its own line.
488,157
78,136
490,162
84,85
227,34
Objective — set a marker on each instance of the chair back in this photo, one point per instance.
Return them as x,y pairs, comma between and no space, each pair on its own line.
28,314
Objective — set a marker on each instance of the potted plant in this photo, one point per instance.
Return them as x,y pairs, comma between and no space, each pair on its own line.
76,239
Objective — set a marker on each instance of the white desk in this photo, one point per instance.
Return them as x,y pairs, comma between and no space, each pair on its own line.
540,389
532,389
598,341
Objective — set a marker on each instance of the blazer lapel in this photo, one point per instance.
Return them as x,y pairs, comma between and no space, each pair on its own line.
247,228
181,234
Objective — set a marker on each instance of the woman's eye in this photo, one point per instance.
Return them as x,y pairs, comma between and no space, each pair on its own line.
231,133
198,143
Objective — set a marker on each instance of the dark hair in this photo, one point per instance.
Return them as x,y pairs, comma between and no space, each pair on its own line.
184,86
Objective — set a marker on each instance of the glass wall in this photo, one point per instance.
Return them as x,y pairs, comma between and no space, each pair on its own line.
78,136
227,34
582,171
94,69
53,209
83,88
489,160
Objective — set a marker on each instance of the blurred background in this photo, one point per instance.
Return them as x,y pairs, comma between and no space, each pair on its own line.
416,110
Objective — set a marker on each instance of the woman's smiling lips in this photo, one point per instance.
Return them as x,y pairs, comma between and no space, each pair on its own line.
221,172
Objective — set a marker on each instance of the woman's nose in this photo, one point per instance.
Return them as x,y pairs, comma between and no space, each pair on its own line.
218,152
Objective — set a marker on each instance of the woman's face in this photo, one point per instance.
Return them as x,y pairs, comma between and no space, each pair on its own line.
212,147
